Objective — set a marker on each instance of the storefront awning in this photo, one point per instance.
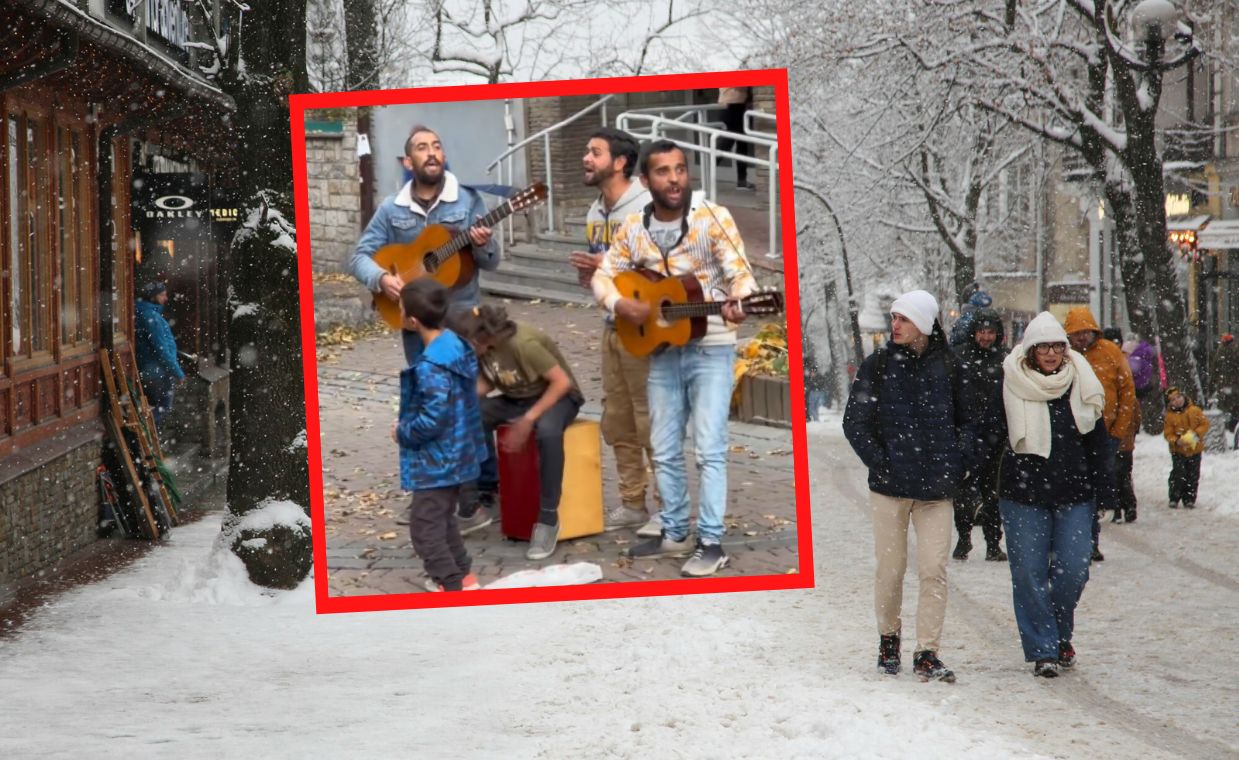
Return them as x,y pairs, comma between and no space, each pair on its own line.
1220,234
1186,223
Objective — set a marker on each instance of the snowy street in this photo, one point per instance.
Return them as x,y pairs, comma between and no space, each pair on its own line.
179,656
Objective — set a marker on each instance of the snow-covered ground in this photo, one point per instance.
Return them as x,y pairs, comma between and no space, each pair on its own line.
179,656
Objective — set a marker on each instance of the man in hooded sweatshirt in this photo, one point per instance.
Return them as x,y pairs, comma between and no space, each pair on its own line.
907,421
980,361
609,162
1110,365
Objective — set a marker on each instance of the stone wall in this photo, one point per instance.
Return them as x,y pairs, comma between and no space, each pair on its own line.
335,195
48,512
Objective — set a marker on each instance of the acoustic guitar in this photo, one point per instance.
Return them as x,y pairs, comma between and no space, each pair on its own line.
439,252
678,309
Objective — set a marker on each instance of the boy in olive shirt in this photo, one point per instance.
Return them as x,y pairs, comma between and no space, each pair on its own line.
538,394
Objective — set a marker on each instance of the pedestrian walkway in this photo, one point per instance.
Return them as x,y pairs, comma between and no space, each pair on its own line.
368,553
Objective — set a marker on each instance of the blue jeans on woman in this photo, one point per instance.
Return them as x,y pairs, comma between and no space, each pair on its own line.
692,380
1049,550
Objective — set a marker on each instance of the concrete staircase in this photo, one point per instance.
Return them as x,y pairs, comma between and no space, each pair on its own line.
540,269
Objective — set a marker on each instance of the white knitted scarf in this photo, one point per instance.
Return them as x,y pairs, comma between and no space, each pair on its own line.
1026,393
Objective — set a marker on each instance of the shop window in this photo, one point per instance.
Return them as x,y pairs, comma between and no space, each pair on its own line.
30,252
76,262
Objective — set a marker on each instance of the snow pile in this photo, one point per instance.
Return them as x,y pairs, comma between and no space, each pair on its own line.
207,574
270,513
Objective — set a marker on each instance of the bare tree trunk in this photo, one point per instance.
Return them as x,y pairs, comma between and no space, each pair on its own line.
267,464
360,30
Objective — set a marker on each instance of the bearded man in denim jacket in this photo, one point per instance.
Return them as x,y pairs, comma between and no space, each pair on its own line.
433,196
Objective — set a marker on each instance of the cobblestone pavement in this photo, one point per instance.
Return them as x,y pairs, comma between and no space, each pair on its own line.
368,553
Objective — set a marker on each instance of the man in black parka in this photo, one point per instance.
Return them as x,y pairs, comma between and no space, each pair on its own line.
907,422
980,361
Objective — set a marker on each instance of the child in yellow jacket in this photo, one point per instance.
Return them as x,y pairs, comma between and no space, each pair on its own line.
1185,432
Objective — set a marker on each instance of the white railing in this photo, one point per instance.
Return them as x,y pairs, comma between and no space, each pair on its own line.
692,132
545,136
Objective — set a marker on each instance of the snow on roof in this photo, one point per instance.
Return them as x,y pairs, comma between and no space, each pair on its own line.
1183,223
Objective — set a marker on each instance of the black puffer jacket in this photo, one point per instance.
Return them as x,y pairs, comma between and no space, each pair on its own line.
981,368
1079,468
910,427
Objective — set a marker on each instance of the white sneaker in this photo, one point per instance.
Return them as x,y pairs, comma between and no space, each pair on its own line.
542,542
653,528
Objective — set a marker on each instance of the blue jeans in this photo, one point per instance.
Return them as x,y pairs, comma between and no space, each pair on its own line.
692,380
817,399
1048,551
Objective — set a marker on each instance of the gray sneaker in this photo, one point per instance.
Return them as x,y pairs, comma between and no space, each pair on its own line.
708,559
653,528
657,548
478,520
623,517
542,542
405,517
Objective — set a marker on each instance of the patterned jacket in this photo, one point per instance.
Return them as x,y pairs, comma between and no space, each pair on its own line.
711,250
440,425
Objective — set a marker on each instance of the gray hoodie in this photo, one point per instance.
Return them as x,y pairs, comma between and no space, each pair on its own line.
601,224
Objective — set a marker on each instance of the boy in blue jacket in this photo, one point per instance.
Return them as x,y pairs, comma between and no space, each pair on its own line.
440,435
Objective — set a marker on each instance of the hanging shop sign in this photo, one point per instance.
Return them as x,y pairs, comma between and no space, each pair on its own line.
165,19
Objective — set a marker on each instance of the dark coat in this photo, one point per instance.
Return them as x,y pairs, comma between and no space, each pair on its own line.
440,425
981,370
1080,467
910,427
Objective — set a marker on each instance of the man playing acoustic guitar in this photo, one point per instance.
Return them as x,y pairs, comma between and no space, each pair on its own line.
433,196
610,163
675,235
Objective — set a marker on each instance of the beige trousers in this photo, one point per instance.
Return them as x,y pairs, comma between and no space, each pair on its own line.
932,522
626,419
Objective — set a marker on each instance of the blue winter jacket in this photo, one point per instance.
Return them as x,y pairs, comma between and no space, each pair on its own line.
911,427
400,220
156,348
440,425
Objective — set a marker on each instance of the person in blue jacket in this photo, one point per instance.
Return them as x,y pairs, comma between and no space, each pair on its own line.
908,421
158,367
439,432
433,196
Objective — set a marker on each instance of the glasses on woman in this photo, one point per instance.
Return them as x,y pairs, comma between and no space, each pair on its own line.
1051,348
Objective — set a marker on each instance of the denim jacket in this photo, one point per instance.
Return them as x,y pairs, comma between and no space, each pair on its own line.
400,220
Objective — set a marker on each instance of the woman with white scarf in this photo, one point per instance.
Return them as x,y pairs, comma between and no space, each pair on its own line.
1055,470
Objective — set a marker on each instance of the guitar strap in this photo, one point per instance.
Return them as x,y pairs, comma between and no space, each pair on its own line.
645,221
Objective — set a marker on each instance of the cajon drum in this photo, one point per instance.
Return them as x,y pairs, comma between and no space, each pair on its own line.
580,506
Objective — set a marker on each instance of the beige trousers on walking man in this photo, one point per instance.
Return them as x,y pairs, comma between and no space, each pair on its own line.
932,521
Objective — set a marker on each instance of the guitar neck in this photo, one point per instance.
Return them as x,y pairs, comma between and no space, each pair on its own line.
673,311
461,239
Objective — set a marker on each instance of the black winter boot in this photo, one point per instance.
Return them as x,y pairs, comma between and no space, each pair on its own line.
888,654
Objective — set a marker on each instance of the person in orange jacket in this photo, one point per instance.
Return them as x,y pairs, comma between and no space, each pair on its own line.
1110,365
1185,432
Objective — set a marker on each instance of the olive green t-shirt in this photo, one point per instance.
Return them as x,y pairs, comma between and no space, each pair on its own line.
517,366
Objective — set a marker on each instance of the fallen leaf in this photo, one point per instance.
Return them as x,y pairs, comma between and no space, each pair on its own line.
388,536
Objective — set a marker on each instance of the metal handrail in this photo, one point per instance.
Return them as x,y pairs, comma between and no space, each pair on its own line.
660,127
545,136
751,129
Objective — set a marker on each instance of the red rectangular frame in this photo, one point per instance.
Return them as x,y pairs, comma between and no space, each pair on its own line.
802,578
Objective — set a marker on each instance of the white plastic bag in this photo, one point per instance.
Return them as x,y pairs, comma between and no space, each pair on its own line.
575,574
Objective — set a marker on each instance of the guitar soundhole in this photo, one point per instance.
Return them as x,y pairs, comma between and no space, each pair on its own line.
641,331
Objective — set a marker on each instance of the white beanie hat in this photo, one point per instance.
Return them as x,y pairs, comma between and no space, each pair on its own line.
920,307
1044,328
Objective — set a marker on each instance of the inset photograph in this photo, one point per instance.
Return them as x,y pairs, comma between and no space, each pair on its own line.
551,343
